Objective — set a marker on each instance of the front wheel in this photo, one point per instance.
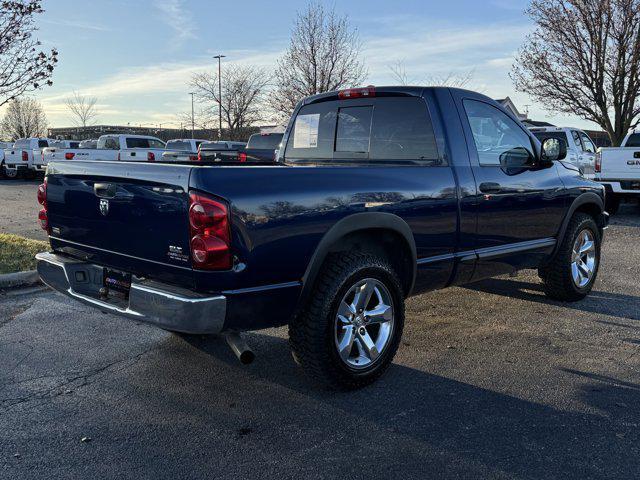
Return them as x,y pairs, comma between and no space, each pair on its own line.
571,273
349,332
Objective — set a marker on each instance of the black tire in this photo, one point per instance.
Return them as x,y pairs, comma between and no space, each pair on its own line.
612,203
556,274
312,331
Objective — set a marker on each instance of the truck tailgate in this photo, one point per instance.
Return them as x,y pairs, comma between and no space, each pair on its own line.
621,163
128,216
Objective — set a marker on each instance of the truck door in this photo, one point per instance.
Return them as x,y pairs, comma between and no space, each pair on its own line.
520,204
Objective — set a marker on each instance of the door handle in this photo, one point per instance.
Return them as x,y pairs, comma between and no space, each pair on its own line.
490,187
105,190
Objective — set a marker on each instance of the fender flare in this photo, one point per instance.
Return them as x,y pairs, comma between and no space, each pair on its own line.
583,199
351,224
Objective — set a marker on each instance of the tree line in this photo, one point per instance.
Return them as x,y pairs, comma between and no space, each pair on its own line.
583,59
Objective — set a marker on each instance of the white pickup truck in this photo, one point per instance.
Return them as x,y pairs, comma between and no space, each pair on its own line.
19,159
122,147
581,151
618,169
182,150
40,163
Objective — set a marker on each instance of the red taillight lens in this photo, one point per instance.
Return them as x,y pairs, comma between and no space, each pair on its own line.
69,155
151,157
42,194
199,156
598,165
193,158
357,93
242,157
25,156
44,219
118,156
210,234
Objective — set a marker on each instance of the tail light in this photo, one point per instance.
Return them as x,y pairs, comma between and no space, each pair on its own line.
242,157
42,156
118,156
210,233
365,92
43,218
151,157
598,165
194,158
199,156
69,155
25,156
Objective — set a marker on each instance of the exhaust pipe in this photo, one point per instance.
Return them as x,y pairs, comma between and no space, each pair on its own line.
240,348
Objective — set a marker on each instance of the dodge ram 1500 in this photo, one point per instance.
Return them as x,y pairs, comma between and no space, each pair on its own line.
378,194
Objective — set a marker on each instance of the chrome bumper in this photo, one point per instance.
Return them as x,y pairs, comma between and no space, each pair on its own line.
165,306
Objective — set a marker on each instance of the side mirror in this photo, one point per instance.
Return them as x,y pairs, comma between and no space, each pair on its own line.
553,149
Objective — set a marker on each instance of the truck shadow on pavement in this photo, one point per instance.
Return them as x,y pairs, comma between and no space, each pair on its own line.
598,302
419,424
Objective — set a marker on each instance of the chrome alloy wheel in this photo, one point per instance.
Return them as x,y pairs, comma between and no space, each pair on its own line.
583,258
364,323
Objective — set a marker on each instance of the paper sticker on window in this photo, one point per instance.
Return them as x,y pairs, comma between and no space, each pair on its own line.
306,131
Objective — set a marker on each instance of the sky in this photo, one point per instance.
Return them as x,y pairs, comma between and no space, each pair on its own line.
137,56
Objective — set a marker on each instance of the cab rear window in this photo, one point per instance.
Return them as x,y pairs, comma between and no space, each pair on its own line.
375,130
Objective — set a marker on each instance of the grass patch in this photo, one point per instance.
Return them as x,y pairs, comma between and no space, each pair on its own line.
18,253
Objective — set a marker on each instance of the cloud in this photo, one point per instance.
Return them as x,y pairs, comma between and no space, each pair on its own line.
76,24
178,18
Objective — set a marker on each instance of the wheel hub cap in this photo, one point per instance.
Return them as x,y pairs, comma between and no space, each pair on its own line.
583,259
364,323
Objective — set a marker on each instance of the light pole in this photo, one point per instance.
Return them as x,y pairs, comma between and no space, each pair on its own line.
192,117
219,57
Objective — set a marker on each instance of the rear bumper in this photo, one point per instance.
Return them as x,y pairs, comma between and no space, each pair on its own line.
618,186
165,306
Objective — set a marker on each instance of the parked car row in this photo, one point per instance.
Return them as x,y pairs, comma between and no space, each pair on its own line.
31,155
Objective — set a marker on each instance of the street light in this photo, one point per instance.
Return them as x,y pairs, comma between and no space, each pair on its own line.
219,57
192,117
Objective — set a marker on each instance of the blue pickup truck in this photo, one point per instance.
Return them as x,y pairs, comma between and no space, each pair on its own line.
377,194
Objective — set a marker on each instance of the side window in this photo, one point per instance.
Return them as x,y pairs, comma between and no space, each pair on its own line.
133,142
153,143
576,139
499,140
587,143
313,132
354,129
402,130
633,140
108,143
391,130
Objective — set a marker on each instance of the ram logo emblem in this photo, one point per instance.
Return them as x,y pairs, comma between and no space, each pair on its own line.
104,207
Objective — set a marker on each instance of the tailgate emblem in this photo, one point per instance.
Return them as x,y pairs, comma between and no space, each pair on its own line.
104,206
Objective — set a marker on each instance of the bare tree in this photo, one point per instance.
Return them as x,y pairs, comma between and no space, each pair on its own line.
584,59
203,119
23,118
450,79
82,108
23,66
323,55
243,89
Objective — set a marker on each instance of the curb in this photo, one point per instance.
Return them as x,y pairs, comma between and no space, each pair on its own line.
19,279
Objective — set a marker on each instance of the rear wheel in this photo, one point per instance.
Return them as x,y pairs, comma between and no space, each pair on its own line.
571,273
349,332
8,173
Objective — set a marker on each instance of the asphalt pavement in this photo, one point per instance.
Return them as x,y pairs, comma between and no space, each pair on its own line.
490,381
